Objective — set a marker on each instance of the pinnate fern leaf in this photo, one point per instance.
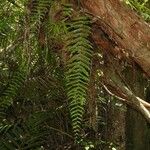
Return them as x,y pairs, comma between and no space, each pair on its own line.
39,10
78,68
14,86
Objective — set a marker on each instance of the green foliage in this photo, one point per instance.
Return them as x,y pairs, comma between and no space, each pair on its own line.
45,65
13,86
38,10
78,68
141,6
32,98
25,135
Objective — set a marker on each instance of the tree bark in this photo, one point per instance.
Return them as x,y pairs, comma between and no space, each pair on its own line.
128,34
137,130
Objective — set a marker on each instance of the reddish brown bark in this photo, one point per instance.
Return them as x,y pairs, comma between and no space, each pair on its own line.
127,32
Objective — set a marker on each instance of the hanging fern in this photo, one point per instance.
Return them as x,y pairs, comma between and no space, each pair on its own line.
78,68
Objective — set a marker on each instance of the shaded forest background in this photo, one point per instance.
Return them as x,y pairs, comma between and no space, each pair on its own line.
74,76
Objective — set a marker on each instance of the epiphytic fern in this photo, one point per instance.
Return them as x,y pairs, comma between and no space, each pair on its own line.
78,68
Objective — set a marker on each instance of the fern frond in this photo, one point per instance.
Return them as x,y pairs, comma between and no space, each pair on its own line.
78,68
11,91
39,10
67,10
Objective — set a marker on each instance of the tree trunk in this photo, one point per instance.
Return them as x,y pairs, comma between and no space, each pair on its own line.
118,30
115,125
137,130
127,34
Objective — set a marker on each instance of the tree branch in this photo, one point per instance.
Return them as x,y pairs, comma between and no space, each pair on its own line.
127,96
